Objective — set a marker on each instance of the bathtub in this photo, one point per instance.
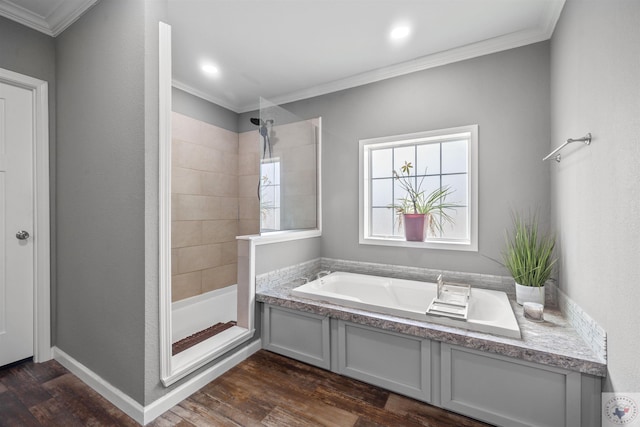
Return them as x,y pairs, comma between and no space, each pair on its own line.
489,311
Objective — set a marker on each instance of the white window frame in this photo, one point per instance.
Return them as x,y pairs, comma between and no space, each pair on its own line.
276,209
366,146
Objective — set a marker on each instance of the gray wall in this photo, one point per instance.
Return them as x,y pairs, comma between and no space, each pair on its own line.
506,94
32,53
101,193
596,209
155,11
201,109
279,255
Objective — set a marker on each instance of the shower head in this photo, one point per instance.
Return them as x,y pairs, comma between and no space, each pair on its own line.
259,122
264,132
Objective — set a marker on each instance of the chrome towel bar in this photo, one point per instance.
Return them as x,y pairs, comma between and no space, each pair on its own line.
586,139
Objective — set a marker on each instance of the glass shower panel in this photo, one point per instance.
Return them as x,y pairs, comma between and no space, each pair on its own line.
288,170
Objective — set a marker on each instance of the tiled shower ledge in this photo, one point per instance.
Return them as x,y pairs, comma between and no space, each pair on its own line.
554,342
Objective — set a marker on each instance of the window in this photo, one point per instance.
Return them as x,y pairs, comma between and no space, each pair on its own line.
438,159
270,194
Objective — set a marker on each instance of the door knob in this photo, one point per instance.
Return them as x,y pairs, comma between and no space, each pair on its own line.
22,235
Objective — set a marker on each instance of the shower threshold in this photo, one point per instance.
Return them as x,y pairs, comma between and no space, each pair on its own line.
204,352
198,337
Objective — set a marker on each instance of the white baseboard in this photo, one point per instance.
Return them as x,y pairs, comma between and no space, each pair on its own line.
146,414
114,395
178,394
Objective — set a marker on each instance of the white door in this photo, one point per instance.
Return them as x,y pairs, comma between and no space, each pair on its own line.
16,223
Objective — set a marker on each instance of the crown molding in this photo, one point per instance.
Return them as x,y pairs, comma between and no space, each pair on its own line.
61,18
201,94
486,47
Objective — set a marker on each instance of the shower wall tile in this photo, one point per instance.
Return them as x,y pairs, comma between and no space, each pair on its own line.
208,163
218,184
174,260
229,253
186,181
194,156
248,186
249,208
249,142
299,158
219,277
186,233
218,138
200,257
248,227
300,212
223,230
184,128
300,183
192,208
186,285
197,132
248,163
291,134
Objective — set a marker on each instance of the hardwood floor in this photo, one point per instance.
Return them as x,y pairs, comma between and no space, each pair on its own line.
264,390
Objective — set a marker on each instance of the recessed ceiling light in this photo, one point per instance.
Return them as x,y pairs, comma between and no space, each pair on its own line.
210,69
400,32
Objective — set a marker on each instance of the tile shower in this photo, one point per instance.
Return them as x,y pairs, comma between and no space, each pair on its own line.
214,178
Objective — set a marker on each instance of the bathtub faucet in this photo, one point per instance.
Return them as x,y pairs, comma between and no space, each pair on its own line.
322,274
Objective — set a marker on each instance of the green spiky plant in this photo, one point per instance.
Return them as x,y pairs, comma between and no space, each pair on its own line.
529,253
417,202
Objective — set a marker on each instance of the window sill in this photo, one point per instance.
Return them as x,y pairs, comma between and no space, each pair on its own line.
450,245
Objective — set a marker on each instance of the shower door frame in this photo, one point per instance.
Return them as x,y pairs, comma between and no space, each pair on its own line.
173,369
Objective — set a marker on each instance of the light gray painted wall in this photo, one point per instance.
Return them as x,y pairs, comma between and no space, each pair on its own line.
506,94
155,11
32,53
201,109
101,193
595,88
279,255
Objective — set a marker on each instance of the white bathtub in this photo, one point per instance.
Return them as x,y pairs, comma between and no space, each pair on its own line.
489,311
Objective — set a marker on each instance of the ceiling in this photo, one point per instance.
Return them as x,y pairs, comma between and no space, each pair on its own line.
286,50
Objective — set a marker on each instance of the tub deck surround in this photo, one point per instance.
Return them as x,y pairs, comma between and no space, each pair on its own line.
553,342
486,311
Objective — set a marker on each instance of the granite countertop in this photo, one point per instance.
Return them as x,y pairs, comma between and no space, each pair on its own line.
552,342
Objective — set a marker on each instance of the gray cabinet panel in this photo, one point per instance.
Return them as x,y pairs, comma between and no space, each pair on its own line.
301,336
508,392
500,390
400,363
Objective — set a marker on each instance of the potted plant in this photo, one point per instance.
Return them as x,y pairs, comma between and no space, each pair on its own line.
416,210
529,258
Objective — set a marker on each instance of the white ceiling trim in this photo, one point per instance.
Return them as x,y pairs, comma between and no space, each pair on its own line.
542,32
207,97
486,47
66,14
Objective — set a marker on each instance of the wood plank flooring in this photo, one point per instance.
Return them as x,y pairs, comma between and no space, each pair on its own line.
264,390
